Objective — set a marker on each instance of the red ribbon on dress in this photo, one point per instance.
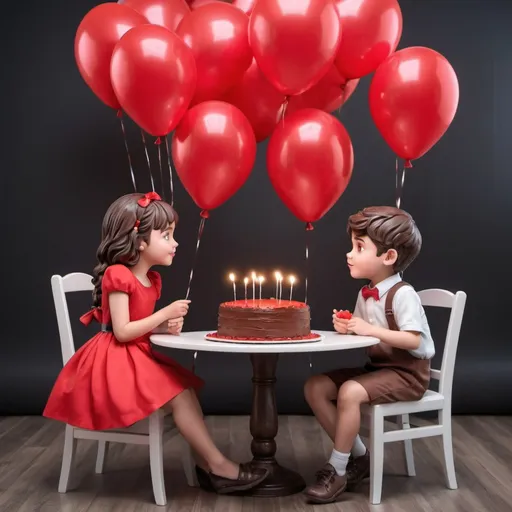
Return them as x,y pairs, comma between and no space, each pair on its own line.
148,198
92,314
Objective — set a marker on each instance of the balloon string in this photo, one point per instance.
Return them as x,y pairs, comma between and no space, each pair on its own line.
199,236
399,184
343,96
309,228
147,159
283,108
158,143
194,362
170,169
120,116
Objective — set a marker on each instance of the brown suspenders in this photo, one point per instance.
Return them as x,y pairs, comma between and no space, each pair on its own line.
390,317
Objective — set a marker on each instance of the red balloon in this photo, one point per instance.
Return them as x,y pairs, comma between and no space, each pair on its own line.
194,4
245,5
329,94
310,160
213,149
294,42
166,13
371,32
98,33
259,101
413,99
217,35
154,76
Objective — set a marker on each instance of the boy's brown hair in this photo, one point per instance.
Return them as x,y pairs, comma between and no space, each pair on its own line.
388,228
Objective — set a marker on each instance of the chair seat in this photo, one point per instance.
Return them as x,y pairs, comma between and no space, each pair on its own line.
431,401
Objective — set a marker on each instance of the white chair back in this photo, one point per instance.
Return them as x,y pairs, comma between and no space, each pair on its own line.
456,302
74,282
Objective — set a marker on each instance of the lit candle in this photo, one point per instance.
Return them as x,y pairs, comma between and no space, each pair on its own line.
280,287
232,279
277,274
260,280
253,275
246,282
292,281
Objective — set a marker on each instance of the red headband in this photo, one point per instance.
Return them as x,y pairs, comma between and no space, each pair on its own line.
145,201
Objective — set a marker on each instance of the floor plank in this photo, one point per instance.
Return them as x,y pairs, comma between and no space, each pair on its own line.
31,451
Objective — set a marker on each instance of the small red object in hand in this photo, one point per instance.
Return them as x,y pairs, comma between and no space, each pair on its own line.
347,315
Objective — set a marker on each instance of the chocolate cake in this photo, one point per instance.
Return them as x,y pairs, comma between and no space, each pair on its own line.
270,319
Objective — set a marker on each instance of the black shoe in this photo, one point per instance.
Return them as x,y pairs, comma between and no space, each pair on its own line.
248,477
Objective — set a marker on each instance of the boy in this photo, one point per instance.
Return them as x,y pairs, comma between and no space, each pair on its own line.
385,240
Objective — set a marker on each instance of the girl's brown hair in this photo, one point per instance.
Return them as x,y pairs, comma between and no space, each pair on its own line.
388,228
120,240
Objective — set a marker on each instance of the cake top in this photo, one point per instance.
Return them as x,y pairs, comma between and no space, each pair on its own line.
264,304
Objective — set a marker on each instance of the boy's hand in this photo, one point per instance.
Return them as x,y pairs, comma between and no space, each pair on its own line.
340,324
175,325
359,326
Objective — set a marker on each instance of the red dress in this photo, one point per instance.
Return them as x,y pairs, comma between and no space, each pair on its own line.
108,384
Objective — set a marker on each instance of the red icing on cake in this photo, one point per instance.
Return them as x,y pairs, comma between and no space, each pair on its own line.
264,304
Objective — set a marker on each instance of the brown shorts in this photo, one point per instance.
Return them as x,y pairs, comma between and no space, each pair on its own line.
383,385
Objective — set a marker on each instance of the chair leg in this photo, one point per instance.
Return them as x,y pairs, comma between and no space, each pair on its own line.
100,458
156,460
376,456
189,465
67,458
409,453
445,419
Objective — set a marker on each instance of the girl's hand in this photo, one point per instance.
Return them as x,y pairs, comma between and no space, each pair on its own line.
175,325
177,309
340,324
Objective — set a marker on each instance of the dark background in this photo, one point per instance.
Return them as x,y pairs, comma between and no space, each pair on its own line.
64,162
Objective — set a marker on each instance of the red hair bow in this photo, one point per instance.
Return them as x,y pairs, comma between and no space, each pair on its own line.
150,196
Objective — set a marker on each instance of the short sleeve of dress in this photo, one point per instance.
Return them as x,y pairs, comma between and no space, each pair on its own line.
118,278
156,280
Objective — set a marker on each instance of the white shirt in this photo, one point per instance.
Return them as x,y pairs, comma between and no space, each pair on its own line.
408,311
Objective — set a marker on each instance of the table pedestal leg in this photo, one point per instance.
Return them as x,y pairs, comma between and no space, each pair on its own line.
264,424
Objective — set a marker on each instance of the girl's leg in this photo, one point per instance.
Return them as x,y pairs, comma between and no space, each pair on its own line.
190,422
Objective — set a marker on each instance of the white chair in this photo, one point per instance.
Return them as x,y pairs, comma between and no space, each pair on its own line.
432,401
148,431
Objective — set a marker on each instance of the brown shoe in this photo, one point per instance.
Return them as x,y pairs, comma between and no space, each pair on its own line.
248,477
328,486
358,468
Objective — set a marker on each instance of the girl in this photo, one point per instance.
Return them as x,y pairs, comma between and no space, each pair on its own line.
116,379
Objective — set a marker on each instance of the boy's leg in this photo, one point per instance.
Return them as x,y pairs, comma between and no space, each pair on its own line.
321,392
332,478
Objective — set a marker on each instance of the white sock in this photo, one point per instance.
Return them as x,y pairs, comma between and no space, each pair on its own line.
339,461
359,448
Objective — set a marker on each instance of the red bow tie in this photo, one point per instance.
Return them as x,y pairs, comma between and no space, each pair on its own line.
370,292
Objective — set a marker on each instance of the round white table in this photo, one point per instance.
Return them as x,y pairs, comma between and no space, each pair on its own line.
264,419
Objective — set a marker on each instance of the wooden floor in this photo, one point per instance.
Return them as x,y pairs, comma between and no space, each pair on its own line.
31,449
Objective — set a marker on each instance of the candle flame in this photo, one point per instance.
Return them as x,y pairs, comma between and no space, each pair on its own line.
253,275
261,279
292,279
278,275
232,277
246,280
